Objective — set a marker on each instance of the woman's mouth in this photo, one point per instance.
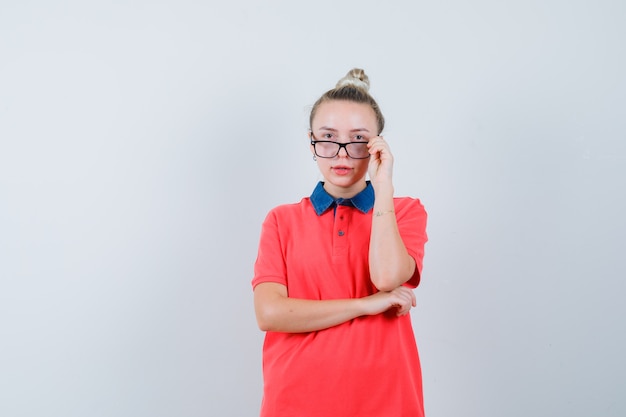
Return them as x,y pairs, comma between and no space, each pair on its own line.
341,170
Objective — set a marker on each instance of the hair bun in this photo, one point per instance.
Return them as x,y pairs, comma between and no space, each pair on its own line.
356,77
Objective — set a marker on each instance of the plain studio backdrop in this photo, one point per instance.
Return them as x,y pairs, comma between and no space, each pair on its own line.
142,144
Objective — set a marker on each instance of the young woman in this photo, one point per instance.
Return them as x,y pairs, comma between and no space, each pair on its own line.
334,275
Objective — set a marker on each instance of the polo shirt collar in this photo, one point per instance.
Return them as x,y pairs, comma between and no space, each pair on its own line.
322,201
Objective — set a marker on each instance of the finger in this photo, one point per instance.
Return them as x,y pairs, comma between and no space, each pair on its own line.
380,152
409,297
403,306
375,148
406,296
375,141
400,306
404,310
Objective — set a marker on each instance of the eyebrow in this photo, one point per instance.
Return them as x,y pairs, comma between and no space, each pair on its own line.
330,129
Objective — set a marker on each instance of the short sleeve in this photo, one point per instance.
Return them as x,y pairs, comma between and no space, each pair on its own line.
411,217
270,263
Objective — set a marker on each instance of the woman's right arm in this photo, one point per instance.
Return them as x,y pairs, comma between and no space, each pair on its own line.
276,311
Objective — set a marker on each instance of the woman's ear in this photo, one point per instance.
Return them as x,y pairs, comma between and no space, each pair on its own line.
310,136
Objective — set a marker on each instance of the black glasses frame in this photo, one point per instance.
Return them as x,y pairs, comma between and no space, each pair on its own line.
341,145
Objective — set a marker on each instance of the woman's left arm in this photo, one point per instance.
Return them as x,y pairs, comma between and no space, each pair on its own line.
389,262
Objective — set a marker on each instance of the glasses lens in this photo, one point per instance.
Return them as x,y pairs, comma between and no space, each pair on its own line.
326,149
358,150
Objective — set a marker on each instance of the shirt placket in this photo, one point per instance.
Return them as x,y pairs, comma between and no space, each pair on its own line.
340,233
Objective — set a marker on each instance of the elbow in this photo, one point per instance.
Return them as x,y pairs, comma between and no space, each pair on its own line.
263,322
383,285
264,326
383,281
265,319
268,304
386,281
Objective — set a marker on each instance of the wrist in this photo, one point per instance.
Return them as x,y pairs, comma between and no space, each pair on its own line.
379,213
366,305
383,200
361,306
383,192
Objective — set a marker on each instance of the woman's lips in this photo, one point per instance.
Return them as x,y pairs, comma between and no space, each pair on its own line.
341,170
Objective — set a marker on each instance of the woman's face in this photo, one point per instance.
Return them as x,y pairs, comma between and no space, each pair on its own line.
343,122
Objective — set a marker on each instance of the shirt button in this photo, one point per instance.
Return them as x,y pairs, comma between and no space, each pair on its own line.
341,233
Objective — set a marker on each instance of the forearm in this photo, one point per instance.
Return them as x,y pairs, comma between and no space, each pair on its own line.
275,311
389,262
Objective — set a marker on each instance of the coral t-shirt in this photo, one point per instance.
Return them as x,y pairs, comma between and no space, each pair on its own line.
368,366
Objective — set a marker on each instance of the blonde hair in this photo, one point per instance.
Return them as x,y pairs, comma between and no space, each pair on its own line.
353,87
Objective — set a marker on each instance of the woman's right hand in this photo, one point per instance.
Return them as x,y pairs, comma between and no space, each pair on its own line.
401,298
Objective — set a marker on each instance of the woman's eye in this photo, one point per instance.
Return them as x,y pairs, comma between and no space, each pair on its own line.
359,137
327,136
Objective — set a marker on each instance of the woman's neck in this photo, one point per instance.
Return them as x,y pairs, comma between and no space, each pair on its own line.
344,192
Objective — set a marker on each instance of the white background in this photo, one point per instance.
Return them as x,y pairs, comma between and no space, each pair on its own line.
142,144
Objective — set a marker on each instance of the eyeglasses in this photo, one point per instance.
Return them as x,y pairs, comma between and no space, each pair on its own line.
330,149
